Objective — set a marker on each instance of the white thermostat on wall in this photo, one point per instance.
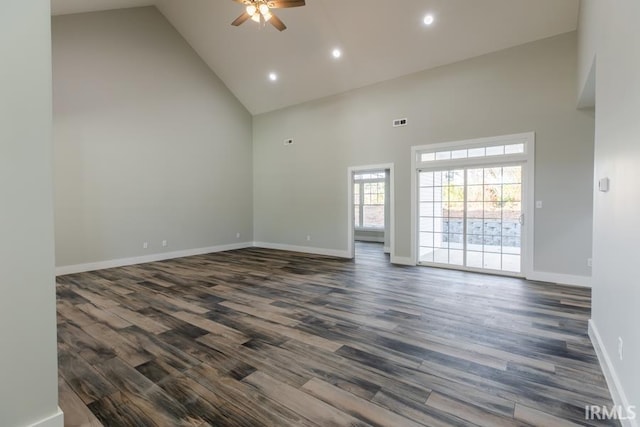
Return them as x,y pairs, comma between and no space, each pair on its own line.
603,185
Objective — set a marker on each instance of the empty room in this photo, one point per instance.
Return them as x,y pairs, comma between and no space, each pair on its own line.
319,213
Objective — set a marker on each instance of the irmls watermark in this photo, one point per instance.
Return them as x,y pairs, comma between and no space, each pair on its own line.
615,412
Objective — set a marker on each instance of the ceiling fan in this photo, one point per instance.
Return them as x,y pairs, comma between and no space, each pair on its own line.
260,11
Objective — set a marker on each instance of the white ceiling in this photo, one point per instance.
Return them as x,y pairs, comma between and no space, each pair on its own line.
63,7
380,39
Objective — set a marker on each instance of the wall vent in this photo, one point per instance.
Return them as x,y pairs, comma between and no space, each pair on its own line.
399,122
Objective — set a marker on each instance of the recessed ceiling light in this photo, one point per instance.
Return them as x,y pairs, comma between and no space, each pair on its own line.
273,77
428,19
337,53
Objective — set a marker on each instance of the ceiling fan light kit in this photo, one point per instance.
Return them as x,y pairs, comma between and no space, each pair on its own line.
260,11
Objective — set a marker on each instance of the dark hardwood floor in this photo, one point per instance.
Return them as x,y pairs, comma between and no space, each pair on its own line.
258,337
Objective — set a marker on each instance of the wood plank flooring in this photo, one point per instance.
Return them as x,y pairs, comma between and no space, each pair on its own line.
258,337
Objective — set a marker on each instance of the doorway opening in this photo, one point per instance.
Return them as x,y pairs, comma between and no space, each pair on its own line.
370,211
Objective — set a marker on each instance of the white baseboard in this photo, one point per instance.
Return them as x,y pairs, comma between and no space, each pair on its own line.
121,262
561,279
402,260
369,239
615,387
303,249
55,420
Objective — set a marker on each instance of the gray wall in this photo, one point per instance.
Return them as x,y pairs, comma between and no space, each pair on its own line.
301,189
149,144
28,362
616,294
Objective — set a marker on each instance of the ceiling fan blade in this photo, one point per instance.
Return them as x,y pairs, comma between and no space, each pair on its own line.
241,19
280,4
276,22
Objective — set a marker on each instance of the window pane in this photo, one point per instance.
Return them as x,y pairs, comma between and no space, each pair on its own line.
475,193
492,210
426,194
426,179
474,242
456,177
512,211
475,210
428,157
475,176
373,216
476,152
459,154
455,193
439,210
514,149
456,257
511,263
356,216
493,175
441,240
493,193
426,239
443,155
511,192
511,245
474,259
495,151
456,241
492,261
441,256
512,175
426,224
426,209
455,209
426,254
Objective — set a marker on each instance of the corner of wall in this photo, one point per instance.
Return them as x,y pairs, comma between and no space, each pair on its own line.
613,381
55,420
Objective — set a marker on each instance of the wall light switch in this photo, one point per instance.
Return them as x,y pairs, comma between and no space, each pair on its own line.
603,185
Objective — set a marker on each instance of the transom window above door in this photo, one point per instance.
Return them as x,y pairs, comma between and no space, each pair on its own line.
480,150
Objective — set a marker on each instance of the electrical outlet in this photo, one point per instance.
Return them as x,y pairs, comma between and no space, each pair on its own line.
539,204
145,245
589,262
164,243
620,348
308,238
237,235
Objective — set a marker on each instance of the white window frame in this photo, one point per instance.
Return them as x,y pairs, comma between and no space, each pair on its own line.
361,202
527,159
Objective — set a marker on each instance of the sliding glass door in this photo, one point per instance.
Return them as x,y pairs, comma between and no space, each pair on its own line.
471,218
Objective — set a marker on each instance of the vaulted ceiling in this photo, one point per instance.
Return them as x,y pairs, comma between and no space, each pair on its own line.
379,40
